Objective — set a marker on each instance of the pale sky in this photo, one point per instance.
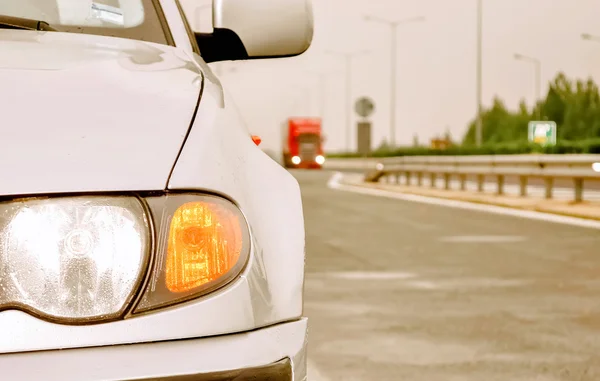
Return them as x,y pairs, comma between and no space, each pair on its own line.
436,64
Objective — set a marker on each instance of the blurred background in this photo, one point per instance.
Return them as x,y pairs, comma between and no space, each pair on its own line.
436,61
423,261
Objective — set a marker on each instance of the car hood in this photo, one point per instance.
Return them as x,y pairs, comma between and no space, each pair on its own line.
83,113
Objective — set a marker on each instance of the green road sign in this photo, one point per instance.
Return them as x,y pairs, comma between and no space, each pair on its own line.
542,132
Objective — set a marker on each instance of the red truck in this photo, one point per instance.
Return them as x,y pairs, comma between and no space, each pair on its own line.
302,143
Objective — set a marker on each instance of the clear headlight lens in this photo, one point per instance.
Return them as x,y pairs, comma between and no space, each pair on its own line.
203,242
74,258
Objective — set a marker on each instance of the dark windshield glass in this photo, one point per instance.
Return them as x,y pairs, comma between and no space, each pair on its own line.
308,138
133,19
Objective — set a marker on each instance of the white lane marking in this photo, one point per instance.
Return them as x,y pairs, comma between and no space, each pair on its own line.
467,205
483,238
362,275
466,284
335,179
423,284
400,281
313,373
406,280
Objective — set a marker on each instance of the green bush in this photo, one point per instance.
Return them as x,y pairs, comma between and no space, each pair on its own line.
573,104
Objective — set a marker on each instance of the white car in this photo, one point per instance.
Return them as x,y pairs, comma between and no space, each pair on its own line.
143,234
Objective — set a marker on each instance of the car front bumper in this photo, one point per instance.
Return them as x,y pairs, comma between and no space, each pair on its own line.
276,353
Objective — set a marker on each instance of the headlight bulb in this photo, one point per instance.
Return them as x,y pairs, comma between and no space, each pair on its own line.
73,257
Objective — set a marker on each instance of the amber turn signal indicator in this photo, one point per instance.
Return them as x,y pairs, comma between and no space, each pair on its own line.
256,139
205,242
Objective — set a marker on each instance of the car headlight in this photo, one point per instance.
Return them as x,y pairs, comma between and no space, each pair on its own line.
203,242
76,258
88,259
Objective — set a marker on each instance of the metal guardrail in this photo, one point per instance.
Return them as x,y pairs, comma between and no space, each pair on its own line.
578,168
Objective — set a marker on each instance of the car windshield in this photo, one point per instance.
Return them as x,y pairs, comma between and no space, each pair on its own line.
308,138
133,19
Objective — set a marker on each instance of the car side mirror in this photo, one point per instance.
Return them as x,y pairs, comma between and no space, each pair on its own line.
257,29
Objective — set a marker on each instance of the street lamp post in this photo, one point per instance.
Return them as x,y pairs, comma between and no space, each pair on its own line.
538,69
479,119
300,98
348,61
322,95
393,82
321,81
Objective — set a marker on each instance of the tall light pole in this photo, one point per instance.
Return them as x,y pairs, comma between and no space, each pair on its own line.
393,82
322,78
348,60
321,82
300,96
479,119
538,87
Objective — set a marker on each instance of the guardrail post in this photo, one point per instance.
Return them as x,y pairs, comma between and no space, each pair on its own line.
446,181
480,179
500,184
578,189
463,182
549,182
523,186
576,168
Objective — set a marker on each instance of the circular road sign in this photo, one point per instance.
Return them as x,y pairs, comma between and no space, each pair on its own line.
364,107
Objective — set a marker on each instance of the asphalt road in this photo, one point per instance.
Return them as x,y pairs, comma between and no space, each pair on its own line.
398,290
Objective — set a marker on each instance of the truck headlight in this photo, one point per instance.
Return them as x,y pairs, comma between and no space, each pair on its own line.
72,258
296,160
320,159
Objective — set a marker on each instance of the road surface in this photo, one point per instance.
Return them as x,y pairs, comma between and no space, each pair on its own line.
398,290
